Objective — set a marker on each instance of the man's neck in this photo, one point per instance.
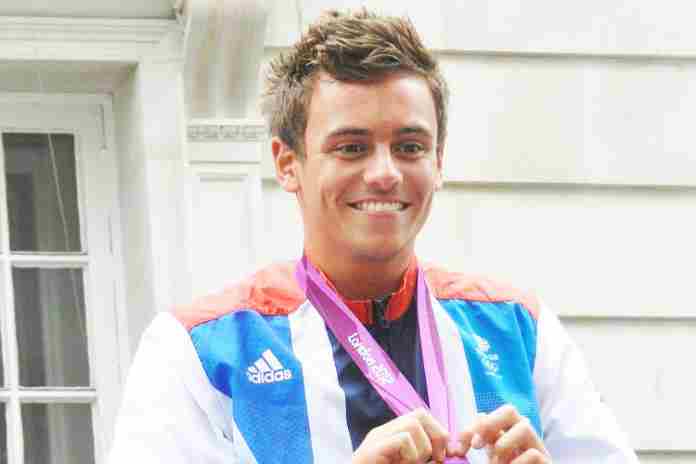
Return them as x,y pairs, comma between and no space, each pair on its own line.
363,279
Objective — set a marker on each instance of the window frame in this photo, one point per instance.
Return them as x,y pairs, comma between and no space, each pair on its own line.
89,117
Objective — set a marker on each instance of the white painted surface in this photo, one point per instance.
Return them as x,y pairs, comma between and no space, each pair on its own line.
62,77
161,9
225,202
223,45
592,27
152,175
283,23
588,27
135,209
163,125
227,140
85,40
224,237
644,371
283,235
558,119
667,458
592,251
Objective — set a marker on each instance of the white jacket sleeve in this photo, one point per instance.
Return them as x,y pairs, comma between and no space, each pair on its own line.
170,413
578,427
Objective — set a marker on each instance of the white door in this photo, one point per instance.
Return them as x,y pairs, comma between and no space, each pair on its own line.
60,375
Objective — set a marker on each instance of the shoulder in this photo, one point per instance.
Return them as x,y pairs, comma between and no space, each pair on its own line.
450,285
271,291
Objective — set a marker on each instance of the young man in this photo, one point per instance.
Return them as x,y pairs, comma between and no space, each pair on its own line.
360,352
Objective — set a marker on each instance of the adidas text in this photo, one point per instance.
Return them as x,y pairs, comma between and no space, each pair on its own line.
268,369
270,377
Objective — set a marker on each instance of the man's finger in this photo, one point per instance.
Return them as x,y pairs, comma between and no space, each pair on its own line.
491,426
428,435
437,434
411,426
532,456
461,445
515,441
397,448
416,425
403,443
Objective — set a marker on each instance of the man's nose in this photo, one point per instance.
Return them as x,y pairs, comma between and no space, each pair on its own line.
382,172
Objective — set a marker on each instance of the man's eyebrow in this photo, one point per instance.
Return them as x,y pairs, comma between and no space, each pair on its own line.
341,131
418,130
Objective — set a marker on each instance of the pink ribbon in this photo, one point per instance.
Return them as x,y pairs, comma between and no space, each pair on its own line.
375,364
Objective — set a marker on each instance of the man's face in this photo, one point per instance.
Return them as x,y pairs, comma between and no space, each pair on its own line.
371,166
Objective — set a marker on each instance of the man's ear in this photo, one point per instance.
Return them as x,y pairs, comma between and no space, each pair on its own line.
286,165
438,179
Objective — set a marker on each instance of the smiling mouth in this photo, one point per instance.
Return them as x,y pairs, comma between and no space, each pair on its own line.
379,206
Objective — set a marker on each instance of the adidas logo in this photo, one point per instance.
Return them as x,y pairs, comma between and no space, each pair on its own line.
268,369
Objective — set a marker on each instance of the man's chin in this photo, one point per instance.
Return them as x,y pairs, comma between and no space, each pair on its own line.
380,252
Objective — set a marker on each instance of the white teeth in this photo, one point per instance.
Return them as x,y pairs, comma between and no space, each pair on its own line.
380,206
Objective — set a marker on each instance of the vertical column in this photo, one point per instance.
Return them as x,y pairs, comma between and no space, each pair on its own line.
159,108
224,42
226,209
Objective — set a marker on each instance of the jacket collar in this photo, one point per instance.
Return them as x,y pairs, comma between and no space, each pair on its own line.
399,301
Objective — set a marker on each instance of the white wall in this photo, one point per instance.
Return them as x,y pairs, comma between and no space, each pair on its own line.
148,110
571,170
135,211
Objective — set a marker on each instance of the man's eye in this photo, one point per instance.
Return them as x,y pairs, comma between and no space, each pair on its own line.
352,149
410,148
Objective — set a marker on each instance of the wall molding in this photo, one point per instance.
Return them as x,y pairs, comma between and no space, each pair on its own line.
86,29
89,40
221,141
56,98
222,50
231,131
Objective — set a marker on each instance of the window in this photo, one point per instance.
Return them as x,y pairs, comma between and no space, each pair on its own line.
60,372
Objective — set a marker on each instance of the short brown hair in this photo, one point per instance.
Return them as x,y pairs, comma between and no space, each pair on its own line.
352,46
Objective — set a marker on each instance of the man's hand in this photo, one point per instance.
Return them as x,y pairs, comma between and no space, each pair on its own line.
416,437
508,437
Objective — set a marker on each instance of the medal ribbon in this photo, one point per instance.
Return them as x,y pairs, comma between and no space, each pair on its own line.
375,364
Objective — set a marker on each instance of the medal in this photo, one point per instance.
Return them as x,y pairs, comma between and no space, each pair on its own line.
375,364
